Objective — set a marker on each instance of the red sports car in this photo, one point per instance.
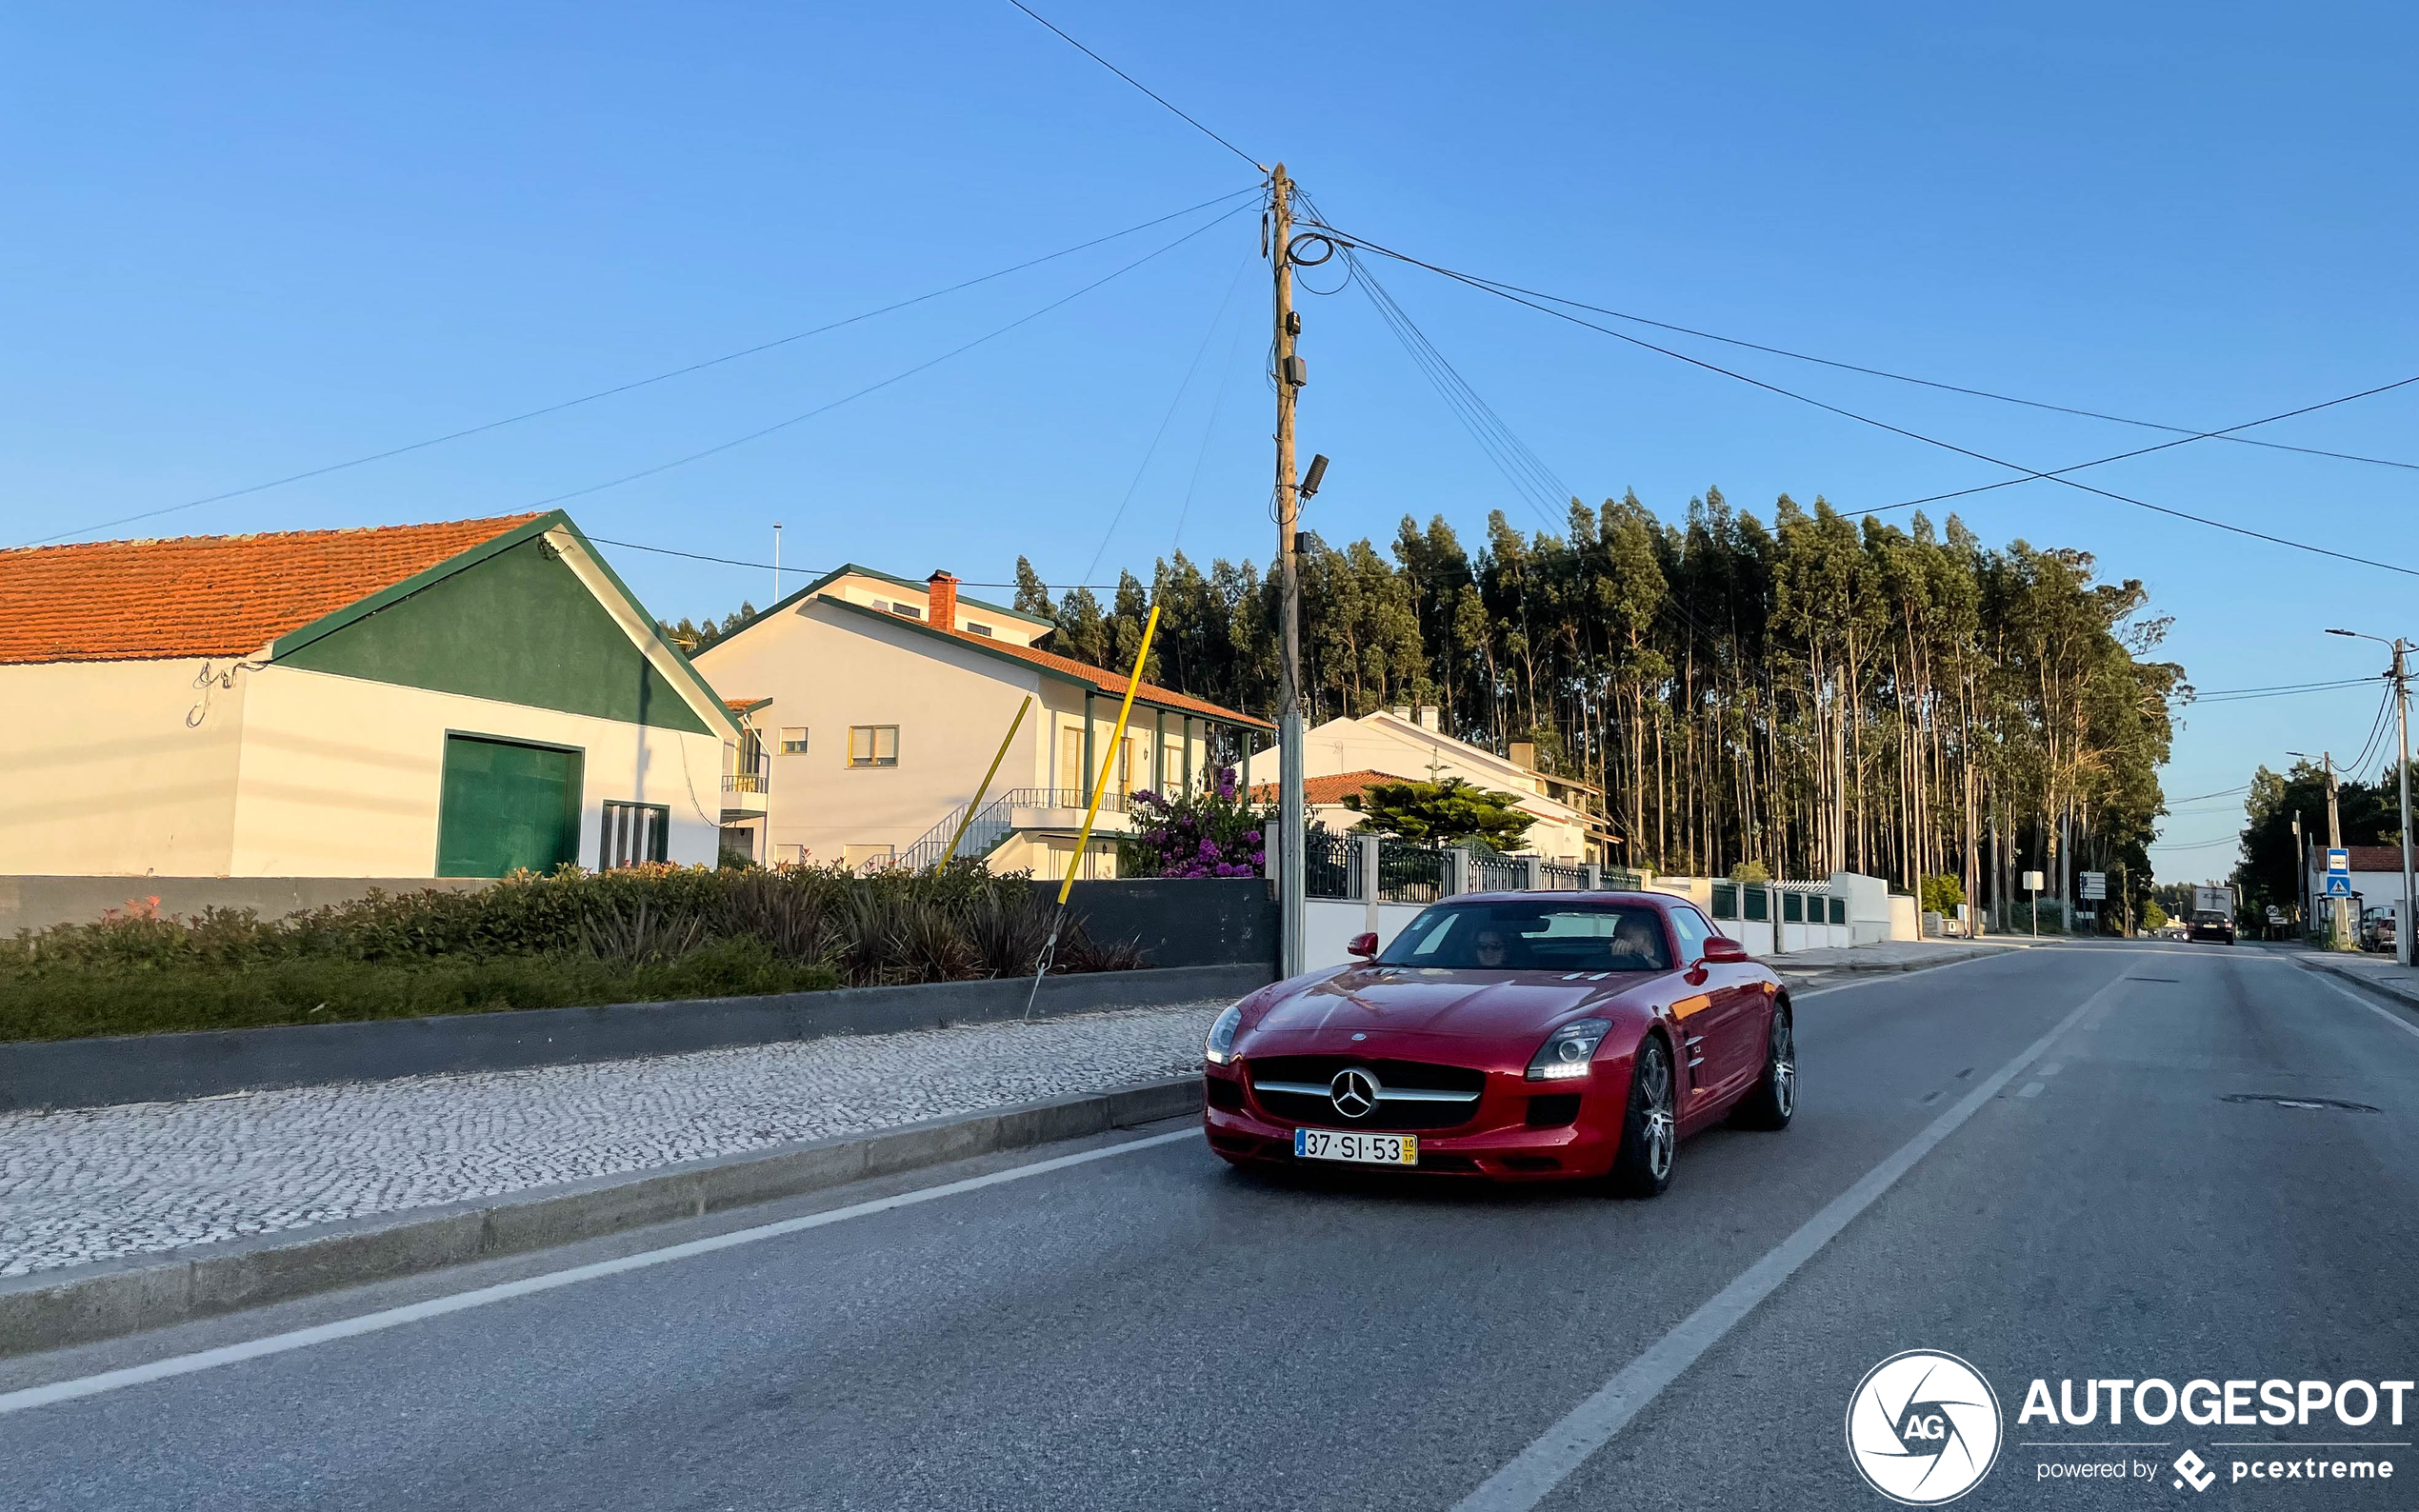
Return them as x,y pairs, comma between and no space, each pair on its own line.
1528,1035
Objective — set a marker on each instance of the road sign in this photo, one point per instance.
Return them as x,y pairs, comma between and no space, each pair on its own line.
2338,863
2032,882
2338,884
2275,915
2095,885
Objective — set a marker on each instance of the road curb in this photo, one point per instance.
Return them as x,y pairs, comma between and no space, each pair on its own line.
2315,961
1780,962
54,1310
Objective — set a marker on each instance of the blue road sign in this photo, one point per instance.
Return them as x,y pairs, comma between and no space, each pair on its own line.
2338,884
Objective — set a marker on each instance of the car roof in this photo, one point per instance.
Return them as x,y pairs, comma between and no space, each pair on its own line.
1607,895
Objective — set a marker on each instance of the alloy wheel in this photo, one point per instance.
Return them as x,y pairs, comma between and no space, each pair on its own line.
1784,1058
1656,1082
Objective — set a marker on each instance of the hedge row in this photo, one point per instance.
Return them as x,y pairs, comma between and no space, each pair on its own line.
644,934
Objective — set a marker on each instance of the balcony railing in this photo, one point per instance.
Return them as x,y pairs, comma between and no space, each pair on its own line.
995,821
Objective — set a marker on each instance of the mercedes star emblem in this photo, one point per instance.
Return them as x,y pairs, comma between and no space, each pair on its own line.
1354,1092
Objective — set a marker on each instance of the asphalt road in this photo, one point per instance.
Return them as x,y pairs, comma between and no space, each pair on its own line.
1150,1330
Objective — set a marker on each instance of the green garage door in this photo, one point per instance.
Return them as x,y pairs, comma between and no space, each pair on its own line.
506,806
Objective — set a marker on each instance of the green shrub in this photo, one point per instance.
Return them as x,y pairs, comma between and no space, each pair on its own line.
573,938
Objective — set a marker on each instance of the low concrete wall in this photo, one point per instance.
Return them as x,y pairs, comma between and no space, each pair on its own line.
37,902
167,1067
1329,923
1180,921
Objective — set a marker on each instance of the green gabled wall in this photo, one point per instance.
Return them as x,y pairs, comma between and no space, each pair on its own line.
518,626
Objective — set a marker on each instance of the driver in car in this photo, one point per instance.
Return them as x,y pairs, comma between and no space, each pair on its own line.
1488,948
1636,944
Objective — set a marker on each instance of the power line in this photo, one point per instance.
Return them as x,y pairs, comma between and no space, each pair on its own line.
2029,475
2221,792
1929,383
792,566
874,388
1216,319
639,382
2242,694
1139,85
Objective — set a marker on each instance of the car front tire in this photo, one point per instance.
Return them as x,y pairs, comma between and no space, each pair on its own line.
1650,1128
1775,1101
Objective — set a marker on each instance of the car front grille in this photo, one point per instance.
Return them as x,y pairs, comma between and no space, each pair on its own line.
1413,1094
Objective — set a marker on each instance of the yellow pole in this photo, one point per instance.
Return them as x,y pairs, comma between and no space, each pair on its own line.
1018,723
1116,738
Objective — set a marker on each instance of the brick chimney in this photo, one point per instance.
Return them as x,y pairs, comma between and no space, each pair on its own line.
940,606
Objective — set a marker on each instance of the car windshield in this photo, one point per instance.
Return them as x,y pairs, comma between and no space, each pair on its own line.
1533,937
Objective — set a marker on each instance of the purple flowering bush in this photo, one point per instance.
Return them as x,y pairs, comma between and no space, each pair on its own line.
1212,833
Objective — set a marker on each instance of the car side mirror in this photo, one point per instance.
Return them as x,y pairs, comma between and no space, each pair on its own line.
1722,950
1364,945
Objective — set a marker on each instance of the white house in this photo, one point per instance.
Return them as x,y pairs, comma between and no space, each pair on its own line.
884,701
2376,880
1392,740
450,700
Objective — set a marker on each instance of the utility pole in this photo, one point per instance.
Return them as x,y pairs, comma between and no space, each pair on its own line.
2334,839
1290,810
2301,858
2407,914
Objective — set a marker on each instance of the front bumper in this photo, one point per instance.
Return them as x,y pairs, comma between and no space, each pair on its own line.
1497,1142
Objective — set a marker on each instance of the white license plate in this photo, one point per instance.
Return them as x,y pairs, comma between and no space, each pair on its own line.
1361,1149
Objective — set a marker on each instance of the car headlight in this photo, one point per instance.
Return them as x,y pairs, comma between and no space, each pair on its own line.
1567,1051
1219,1048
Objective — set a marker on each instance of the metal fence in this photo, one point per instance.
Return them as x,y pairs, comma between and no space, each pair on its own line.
1331,866
1491,870
1557,877
1409,872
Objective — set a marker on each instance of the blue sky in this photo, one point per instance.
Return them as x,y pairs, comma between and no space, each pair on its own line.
245,241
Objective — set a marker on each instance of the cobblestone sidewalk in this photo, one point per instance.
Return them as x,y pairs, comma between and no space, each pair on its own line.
94,1184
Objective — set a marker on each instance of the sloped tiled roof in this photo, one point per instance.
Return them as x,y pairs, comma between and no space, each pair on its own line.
206,595
2365,858
1325,793
1099,677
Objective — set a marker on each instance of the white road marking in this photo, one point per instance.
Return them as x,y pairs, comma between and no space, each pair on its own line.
2054,1069
2398,1022
1535,1471
2030,1089
460,1301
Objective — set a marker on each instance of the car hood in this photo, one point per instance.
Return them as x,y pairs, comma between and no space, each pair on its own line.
1460,1003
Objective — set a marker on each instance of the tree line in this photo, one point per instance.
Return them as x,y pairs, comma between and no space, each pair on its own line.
1822,693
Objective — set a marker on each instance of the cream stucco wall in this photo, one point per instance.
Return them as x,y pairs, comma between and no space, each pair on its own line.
105,777
127,768
342,777
1386,744
827,668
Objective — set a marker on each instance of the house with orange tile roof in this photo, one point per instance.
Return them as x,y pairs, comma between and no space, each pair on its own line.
450,700
1567,815
891,698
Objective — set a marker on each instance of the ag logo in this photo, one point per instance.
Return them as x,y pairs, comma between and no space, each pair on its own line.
1923,1427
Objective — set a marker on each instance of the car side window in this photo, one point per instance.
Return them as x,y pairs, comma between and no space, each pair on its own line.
1693,932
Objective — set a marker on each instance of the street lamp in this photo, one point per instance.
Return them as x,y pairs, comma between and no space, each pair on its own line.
2403,910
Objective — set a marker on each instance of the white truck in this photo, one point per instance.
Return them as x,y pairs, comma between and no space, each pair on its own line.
2212,914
